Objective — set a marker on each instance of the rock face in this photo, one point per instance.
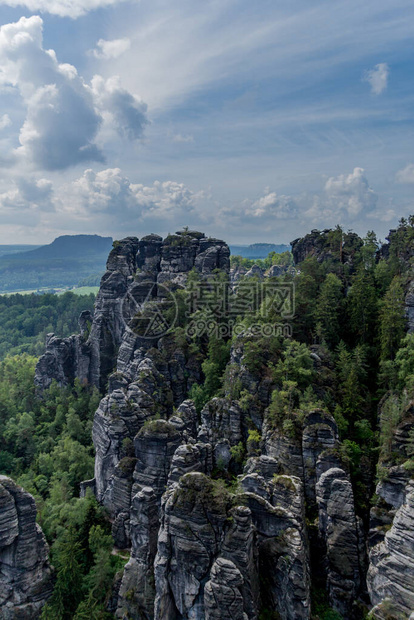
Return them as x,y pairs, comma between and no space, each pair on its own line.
278,513
390,577
198,550
137,271
256,536
222,593
339,531
391,570
325,245
231,512
193,521
26,576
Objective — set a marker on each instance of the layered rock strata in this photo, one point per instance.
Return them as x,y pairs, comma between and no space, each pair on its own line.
138,271
25,573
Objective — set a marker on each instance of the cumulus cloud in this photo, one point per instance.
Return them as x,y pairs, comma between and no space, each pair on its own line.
279,207
63,8
127,113
107,202
343,199
25,201
349,194
107,191
64,114
111,195
36,192
107,50
5,121
406,175
378,78
260,214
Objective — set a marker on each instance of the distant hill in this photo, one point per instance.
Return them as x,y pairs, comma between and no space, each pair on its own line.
64,262
258,250
13,249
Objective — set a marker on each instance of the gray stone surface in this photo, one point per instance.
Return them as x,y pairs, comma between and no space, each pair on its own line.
134,270
391,569
339,531
25,573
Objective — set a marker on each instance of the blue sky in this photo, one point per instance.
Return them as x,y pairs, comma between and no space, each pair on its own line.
250,121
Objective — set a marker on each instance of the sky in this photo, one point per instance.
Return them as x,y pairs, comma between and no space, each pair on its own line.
253,122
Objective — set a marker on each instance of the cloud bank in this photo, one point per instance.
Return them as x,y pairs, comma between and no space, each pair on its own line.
109,202
26,201
109,198
63,8
63,113
344,199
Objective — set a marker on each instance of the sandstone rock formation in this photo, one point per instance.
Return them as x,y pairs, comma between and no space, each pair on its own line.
204,543
339,531
137,271
391,571
25,572
324,245
390,577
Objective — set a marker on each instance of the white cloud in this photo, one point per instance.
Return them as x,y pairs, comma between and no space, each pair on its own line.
272,205
259,216
64,114
127,113
5,121
387,216
406,175
111,49
109,202
63,8
25,201
38,192
111,196
166,199
107,191
61,122
183,138
378,78
344,199
104,202
349,194
60,127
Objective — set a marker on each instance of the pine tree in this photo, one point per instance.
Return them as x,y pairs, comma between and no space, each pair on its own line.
68,589
369,251
328,309
362,306
392,320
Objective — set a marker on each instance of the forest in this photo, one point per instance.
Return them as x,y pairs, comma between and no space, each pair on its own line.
26,319
350,317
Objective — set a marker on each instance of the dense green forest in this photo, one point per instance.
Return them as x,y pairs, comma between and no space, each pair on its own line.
350,309
26,319
350,314
46,446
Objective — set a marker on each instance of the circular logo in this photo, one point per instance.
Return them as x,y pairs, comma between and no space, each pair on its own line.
149,310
